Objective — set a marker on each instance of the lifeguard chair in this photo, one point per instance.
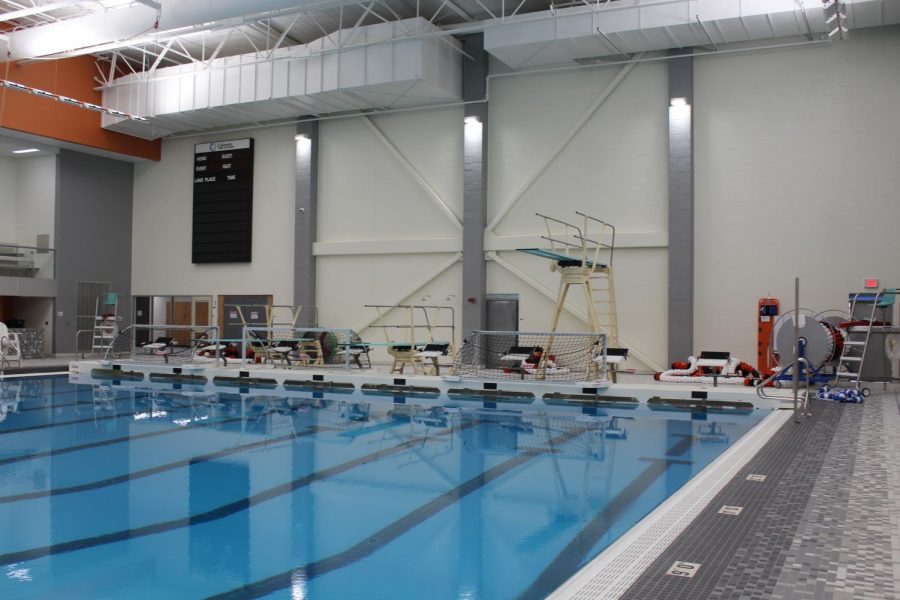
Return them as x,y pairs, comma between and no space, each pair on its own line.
582,254
585,262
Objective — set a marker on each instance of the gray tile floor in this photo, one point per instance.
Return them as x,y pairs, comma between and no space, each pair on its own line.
825,523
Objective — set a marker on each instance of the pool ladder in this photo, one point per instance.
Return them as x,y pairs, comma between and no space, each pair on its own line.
853,354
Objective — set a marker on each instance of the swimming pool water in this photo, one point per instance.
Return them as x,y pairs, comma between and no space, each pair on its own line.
118,492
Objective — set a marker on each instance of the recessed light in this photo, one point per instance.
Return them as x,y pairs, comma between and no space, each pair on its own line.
26,151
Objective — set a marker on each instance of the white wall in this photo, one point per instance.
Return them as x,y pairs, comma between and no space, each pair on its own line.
163,202
27,198
796,175
614,168
35,198
8,200
381,235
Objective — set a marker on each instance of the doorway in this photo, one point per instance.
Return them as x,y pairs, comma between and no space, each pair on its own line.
502,312
253,309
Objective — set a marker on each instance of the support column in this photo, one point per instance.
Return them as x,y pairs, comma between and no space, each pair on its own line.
681,207
306,197
474,277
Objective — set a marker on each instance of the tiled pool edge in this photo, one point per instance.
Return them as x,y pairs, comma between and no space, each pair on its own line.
610,574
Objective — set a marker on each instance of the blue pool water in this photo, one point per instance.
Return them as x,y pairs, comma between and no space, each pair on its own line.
119,492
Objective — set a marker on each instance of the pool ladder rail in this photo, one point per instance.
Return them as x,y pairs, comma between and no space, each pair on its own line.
802,398
853,353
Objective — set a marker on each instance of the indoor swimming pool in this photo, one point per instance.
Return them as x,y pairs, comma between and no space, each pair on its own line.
126,492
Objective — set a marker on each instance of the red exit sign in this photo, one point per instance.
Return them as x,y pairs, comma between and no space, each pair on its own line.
871,284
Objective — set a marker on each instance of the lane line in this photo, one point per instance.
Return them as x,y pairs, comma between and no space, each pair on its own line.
217,513
391,532
129,477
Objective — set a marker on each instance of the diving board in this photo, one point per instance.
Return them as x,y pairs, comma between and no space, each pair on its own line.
560,258
583,255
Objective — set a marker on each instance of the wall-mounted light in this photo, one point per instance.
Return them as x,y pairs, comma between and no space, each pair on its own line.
472,120
678,102
25,151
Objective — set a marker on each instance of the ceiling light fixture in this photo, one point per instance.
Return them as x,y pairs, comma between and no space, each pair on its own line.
4,83
25,151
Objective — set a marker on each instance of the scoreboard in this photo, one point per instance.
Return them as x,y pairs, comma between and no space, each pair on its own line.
223,202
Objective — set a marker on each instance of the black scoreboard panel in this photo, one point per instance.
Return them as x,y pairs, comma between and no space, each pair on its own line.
223,202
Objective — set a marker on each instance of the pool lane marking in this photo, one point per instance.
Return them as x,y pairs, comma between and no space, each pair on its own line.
143,394
118,440
92,419
127,438
219,512
570,559
139,395
683,445
391,532
128,477
45,397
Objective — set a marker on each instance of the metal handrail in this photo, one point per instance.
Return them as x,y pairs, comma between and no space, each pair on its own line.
78,334
4,245
794,368
612,244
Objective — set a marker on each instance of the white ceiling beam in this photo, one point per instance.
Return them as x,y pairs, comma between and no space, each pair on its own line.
150,3
81,32
36,10
159,58
284,35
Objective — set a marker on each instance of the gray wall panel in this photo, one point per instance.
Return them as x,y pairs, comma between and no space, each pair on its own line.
681,210
305,202
475,170
93,234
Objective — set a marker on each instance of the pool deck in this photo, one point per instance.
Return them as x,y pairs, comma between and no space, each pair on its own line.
283,380
824,523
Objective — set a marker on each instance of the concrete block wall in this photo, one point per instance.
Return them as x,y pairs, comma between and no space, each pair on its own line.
796,175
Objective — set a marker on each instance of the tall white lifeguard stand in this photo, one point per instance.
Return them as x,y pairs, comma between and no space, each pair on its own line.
583,256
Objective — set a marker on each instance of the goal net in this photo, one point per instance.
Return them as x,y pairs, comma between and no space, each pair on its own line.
165,344
535,356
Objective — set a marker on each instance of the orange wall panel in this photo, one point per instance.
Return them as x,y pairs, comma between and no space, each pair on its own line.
72,77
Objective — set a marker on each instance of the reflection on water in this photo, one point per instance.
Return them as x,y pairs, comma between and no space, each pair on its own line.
116,491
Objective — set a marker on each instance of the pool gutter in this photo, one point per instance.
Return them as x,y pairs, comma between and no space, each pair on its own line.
609,575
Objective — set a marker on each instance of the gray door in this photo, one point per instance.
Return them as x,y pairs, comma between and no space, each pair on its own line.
253,309
502,312
502,315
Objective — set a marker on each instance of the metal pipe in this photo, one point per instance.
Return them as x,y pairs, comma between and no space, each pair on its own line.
796,373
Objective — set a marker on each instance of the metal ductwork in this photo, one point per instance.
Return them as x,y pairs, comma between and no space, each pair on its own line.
69,35
382,71
618,29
